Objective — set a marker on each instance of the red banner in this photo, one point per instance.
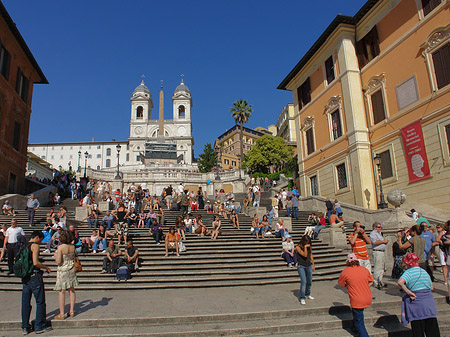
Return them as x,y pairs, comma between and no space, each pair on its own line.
415,154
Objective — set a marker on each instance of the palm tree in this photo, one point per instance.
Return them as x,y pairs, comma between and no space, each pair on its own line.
241,112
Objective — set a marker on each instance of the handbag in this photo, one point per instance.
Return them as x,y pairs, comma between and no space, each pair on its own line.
77,264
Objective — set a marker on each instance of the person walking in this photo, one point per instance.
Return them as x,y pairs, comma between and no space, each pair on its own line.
418,306
66,277
34,285
306,267
379,254
11,243
357,280
32,205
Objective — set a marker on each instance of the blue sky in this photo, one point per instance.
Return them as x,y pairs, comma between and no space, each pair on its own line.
94,52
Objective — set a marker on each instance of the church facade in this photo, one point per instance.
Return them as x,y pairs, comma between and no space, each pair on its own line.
151,141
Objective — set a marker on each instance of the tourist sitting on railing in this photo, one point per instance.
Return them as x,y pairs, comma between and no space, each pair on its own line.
132,217
92,219
234,219
188,223
321,225
180,226
280,230
7,209
156,232
288,253
108,219
112,261
150,217
201,230
171,242
216,228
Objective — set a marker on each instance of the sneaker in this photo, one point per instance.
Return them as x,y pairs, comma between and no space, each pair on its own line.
47,251
289,265
103,271
296,264
158,243
94,252
104,251
49,328
302,302
310,297
26,331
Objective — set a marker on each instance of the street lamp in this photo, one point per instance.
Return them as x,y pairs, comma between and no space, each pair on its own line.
118,147
382,204
79,158
86,154
217,163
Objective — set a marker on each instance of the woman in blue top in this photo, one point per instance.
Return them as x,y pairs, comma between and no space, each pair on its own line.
418,306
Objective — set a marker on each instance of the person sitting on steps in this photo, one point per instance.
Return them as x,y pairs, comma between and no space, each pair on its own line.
171,241
112,261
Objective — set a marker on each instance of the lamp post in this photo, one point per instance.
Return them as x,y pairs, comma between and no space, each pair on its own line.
382,204
86,154
79,158
69,166
118,147
217,163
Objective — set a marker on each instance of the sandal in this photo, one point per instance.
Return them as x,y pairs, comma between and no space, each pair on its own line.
60,316
71,314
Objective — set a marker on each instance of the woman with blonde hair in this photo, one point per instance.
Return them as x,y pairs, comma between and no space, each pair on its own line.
66,277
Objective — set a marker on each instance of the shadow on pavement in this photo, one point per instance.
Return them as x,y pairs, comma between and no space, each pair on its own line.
84,306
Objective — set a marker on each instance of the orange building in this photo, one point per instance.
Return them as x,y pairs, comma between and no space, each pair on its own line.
18,72
356,93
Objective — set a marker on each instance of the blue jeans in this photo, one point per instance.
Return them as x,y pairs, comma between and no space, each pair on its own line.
289,210
149,222
305,274
188,229
288,258
95,246
281,233
34,285
295,212
317,229
108,223
358,322
92,223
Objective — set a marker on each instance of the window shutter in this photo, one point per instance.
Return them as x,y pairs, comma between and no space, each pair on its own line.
329,68
299,97
447,131
310,141
307,86
441,61
336,124
362,60
378,107
386,165
429,5
376,44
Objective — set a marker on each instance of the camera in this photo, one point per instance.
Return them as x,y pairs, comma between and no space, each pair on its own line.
362,226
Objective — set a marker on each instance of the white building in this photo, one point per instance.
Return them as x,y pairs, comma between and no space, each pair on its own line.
144,137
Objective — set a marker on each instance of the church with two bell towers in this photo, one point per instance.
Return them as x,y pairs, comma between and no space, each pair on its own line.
161,140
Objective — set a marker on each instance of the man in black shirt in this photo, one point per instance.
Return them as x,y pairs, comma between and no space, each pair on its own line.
132,256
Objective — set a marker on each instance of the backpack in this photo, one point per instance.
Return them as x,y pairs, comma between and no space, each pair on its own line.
84,248
123,273
23,262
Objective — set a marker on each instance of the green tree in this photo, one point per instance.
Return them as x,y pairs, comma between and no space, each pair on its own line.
241,112
269,151
208,159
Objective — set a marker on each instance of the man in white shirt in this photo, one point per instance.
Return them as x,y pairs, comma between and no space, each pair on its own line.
7,209
181,188
12,237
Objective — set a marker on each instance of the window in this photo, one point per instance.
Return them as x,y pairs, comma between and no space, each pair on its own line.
108,152
138,158
12,183
441,61
304,94
314,185
5,62
429,5
128,157
368,47
98,167
43,157
329,68
226,161
336,124
89,156
22,85
99,155
98,147
139,112
61,157
181,111
233,163
16,136
309,141
341,176
447,132
108,162
386,165
52,157
70,157
71,147
378,111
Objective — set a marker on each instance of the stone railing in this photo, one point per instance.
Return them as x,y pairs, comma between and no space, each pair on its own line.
19,202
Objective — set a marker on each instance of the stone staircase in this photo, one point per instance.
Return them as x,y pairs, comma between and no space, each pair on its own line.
234,259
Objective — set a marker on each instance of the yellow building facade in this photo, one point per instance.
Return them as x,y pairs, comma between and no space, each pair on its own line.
362,83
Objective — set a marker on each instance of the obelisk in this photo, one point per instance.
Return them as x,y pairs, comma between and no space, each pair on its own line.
161,113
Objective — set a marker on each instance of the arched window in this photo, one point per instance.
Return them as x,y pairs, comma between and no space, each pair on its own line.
181,111
139,112
98,167
108,162
108,152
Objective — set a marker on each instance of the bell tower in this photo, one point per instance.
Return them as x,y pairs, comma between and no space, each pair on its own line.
141,110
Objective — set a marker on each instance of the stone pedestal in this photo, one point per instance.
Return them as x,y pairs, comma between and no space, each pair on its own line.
338,239
260,211
104,206
116,184
81,213
398,219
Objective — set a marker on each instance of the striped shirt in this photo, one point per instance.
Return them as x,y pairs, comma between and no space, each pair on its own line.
416,278
359,248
